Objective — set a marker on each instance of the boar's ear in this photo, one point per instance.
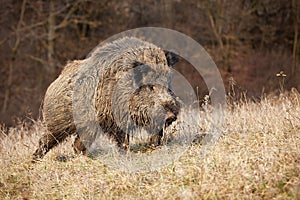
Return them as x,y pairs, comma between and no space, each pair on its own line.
172,58
139,71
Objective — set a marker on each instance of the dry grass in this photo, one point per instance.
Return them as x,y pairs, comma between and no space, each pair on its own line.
258,157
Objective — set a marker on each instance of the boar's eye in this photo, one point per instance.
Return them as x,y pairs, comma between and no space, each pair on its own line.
151,87
136,63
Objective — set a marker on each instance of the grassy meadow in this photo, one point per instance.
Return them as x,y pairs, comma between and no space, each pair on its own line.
257,157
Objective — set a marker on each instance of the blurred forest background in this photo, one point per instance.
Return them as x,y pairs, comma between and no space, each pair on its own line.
251,41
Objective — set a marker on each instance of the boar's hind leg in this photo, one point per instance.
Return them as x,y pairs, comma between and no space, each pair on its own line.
47,142
78,146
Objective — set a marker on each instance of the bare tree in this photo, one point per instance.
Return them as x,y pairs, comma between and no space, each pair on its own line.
51,37
15,48
38,37
296,12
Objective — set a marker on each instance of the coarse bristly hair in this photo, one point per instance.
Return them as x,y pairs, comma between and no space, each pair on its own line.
122,84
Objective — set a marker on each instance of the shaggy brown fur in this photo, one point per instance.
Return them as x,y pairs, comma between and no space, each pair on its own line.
119,87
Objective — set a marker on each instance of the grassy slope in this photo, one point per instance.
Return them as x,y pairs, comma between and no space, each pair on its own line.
258,157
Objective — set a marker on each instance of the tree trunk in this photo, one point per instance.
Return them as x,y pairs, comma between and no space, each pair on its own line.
167,13
7,92
295,70
51,37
